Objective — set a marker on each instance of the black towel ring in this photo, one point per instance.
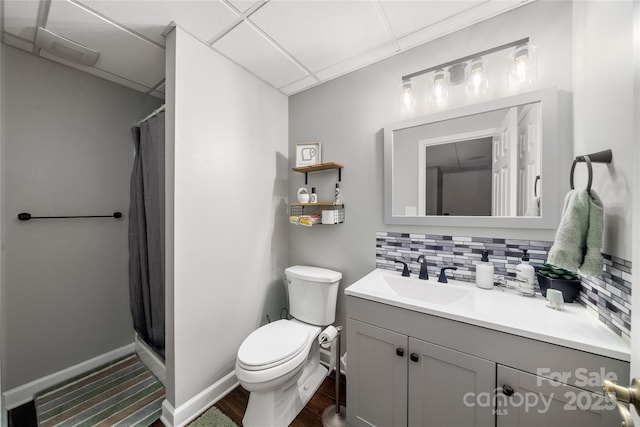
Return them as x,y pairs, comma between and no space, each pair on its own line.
573,167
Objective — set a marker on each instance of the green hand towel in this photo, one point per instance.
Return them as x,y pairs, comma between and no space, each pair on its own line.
567,250
593,262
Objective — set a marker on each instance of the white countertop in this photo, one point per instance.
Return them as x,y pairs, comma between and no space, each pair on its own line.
575,326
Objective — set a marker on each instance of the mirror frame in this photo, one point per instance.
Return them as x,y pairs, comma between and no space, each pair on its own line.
554,160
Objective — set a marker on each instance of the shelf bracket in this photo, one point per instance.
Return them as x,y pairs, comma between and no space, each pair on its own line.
305,178
339,174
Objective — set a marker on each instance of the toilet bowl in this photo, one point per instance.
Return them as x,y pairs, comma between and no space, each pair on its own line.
279,363
280,382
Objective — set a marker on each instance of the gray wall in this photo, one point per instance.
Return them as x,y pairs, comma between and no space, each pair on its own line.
579,44
347,115
66,149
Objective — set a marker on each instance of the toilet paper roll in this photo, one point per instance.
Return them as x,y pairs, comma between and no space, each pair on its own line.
327,336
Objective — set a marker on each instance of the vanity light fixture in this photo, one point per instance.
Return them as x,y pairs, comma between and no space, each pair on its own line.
407,98
472,69
477,84
523,65
439,93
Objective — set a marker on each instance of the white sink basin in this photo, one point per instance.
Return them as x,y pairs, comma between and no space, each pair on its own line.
391,286
429,291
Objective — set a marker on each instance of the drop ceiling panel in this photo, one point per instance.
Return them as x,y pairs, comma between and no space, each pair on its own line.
457,22
322,33
121,52
20,17
251,50
406,17
357,61
443,155
202,19
243,5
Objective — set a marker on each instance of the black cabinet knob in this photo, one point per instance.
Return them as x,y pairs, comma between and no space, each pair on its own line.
507,390
414,357
400,351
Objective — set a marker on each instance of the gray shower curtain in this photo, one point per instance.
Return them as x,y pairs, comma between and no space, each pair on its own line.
146,232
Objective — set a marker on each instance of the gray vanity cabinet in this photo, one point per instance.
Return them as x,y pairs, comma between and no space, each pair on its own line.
537,401
407,368
402,381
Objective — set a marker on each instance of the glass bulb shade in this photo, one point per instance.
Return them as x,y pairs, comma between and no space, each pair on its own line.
523,66
439,93
477,83
407,98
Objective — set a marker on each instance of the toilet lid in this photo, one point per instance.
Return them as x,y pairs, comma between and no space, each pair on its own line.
272,344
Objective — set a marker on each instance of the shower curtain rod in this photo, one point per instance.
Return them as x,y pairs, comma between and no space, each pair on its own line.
159,110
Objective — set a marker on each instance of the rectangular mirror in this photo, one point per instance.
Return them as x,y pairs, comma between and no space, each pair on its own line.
491,164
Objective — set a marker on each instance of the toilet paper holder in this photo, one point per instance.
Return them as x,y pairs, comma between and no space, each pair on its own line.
334,415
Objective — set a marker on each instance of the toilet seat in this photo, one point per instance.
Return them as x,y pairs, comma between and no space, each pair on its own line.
272,345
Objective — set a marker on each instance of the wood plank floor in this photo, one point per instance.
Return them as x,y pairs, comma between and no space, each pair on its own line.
233,405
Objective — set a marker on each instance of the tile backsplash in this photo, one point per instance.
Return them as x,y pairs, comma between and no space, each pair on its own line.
608,295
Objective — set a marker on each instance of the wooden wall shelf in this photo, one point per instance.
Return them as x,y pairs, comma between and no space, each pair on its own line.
318,168
317,204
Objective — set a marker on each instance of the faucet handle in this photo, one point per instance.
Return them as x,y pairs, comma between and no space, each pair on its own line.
443,275
405,269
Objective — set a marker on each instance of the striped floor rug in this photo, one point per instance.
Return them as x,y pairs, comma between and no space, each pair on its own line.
123,393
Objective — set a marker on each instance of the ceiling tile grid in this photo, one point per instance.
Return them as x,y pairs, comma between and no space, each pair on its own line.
150,18
247,47
118,47
290,44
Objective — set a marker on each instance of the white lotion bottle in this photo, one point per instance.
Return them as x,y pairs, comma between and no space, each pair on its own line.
338,195
484,272
526,276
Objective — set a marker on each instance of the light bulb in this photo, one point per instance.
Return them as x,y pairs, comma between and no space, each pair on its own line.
407,99
477,84
439,94
523,66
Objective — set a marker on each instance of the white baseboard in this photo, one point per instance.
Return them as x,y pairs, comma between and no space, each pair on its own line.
25,393
151,359
185,413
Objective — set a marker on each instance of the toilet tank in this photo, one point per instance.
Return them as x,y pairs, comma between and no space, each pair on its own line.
312,294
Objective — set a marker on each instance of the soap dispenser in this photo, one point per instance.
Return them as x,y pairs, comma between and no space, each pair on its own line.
525,275
484,272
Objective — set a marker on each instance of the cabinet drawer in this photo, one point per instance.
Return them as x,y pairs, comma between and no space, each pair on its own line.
537,401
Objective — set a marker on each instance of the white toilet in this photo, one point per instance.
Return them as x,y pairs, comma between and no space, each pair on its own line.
279,363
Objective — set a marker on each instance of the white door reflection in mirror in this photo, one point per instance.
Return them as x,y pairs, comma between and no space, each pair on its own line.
504,195
529,160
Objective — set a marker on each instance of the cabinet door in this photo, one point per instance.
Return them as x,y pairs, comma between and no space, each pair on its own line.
444,386
537,401
376,377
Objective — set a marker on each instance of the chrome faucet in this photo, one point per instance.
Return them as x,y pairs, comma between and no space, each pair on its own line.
443,274
424,272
